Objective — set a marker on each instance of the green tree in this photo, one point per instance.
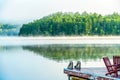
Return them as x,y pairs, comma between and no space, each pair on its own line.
73,24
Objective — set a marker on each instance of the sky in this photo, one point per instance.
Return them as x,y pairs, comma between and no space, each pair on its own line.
23,11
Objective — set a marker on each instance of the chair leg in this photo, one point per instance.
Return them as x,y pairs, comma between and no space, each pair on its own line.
116,74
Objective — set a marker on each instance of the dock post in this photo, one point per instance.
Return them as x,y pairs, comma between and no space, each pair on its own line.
68,77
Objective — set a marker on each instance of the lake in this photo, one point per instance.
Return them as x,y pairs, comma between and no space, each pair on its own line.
41,59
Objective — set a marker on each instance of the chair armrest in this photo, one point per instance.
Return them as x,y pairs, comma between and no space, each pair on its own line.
112,66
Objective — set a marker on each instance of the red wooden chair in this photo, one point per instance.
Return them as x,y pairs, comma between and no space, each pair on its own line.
116,62
112,71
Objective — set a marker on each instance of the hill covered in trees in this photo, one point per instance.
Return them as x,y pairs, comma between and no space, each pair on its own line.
73,24
9,30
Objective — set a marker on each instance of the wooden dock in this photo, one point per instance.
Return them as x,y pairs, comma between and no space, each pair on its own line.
86,75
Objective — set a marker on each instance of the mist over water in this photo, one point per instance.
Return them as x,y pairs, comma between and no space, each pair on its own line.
14,41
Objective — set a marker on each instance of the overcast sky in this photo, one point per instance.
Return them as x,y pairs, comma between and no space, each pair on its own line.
22,11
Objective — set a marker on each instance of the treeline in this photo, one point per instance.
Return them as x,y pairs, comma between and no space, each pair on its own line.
73,24
9,30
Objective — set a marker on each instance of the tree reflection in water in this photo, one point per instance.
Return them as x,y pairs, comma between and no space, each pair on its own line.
74,52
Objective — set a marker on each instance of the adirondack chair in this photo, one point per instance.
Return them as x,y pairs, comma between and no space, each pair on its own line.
116,62
112,71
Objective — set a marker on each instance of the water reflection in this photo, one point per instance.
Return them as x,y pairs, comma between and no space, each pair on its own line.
40,62
74,52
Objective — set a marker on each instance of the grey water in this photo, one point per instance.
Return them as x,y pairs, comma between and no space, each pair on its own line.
46,61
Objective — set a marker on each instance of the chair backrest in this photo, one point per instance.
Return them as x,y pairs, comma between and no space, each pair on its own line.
110,68
116,60
107,64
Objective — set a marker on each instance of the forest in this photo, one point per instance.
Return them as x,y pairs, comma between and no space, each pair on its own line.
73,24
9,30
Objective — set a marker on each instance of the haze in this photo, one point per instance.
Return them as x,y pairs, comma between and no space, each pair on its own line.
23,11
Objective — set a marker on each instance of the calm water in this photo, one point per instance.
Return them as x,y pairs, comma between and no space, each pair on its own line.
34,61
